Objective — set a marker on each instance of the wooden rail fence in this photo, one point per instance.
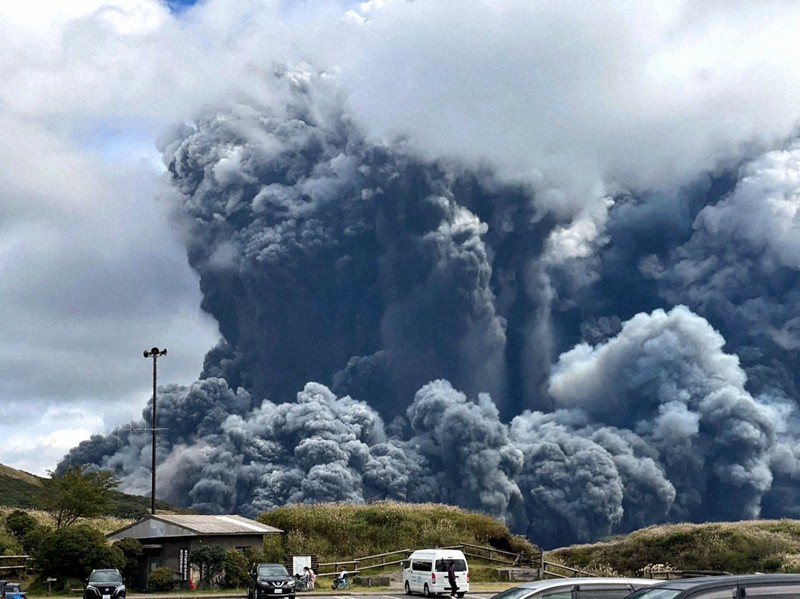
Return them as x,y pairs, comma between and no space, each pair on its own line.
14,562
491,555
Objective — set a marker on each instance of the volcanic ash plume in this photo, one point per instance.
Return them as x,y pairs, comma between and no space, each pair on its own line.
396,327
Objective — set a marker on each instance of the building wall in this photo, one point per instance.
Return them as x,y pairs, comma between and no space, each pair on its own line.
170,554
173,553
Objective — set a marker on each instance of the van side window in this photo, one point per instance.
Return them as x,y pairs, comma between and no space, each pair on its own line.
586,592
421,565
727,592
782,591
557,594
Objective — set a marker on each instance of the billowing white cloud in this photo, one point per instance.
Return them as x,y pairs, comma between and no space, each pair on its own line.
623,95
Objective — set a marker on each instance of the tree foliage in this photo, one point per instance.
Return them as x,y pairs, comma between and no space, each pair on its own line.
133,551
25,529
73,551
236,570
77,494
19,523
211,561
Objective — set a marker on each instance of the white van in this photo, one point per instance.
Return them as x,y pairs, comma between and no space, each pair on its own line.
425,571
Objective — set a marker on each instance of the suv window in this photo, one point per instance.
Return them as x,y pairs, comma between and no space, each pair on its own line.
105,576
270,570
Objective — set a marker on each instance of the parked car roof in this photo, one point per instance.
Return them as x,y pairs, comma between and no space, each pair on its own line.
536,584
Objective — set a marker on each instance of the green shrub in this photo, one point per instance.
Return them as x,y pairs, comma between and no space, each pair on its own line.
274,549
236,570
161,579
773,563
19,523
6,544
72,583
76,550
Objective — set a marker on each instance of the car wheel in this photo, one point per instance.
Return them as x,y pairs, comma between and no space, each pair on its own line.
426,591
459,595
408,588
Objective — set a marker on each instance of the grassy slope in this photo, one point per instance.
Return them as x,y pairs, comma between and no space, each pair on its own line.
735,547
339,531
19,489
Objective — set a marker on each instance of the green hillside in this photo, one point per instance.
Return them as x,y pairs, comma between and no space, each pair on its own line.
735,547
19,489
337,531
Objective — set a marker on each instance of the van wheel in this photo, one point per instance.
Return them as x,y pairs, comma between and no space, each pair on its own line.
459,595
426,591
408,588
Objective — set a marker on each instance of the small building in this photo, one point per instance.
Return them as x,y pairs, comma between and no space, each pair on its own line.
168,539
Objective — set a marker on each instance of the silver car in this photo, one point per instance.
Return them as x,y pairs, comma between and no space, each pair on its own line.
577,588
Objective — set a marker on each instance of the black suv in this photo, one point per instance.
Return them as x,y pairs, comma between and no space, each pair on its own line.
270,580
104,583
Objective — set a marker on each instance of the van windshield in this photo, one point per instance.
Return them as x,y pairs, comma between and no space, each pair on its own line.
459,565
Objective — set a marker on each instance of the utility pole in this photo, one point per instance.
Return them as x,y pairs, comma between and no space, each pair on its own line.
154,353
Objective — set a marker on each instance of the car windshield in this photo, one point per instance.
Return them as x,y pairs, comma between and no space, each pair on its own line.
105,576
651,593
272,570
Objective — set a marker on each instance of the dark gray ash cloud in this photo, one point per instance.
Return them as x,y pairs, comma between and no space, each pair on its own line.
402,327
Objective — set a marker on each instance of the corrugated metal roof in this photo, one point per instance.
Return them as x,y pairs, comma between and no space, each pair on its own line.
209,525
180,525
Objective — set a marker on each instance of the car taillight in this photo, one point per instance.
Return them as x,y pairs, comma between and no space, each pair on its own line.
433,577
467,576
